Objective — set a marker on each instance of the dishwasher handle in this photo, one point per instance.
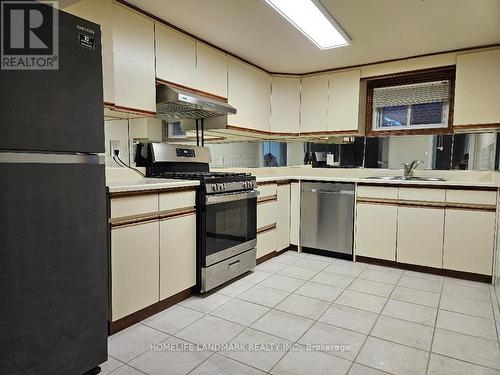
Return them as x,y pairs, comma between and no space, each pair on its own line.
337,192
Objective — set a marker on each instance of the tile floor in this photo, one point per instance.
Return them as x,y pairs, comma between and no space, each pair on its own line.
323,316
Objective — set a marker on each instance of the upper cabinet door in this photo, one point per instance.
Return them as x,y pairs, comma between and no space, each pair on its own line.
249,91
211,70
175,56
134,60
313,104
343,101
477,88
285,104
100,12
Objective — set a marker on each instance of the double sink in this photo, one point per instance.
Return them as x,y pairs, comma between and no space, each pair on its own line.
405,178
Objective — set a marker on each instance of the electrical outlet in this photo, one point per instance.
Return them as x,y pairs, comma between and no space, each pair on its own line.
114,145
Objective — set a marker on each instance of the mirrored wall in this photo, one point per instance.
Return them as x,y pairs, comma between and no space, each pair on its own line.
470,151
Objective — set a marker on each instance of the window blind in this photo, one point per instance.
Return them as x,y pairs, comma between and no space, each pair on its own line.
418,93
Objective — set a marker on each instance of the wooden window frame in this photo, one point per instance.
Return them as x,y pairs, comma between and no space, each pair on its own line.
406,78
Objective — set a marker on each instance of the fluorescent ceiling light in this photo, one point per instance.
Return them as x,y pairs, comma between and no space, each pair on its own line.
313,20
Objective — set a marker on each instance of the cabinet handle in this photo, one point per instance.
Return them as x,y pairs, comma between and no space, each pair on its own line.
230,265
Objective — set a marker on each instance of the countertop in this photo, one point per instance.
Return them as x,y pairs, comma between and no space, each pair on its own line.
123,180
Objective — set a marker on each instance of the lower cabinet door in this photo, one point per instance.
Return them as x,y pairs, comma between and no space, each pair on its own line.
283,218
266,243
420,236
177,255
376,231
469,241
134,268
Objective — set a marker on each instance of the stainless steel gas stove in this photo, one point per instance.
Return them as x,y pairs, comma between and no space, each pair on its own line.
226,209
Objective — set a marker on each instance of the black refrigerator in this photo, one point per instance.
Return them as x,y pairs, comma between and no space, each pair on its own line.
53,213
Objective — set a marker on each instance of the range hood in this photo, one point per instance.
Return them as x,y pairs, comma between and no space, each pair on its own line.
174,103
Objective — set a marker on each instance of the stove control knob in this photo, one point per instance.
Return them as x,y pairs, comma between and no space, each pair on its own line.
222,186
214,187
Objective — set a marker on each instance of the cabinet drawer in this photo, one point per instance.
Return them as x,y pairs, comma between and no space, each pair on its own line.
175,200
422,194
382,192
267,190
266,243
266,214
471,196
138,205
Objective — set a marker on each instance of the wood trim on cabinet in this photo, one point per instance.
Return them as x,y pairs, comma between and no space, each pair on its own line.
197,38
136,111
426,269
419,76
442,187
125,194
187,88
138,316
283,182
428,204
266,228
271,198
477,126
133,220
275,254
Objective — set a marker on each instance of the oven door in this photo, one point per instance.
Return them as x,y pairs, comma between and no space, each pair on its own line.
230,225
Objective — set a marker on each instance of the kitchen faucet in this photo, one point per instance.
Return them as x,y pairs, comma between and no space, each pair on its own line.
408,168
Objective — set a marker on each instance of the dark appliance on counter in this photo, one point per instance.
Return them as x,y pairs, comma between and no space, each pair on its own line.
226,209
53,226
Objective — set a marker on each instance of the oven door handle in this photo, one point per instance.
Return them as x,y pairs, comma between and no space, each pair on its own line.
231,197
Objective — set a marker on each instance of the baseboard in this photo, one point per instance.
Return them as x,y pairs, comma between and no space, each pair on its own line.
138,316
435,271
272,254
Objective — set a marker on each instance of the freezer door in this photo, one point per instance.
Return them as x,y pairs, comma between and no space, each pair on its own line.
53,268
57,110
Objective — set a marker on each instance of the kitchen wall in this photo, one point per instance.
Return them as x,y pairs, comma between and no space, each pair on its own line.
127,132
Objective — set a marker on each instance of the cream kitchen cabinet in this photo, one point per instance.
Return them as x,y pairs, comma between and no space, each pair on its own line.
266,213
343,101
477,88
175,56
249,91
177,255
376,227
468,241
134,61
420,236
266,242
283,217
314,104
211,70
134,268
294,213
285,105
100,12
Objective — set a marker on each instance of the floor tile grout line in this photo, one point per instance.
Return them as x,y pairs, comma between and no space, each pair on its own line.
371,329
434,330
314,323
330,304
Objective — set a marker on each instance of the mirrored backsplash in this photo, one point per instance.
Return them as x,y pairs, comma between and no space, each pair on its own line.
468,151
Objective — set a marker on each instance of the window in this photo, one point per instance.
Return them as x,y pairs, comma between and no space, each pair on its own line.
421,105
418,102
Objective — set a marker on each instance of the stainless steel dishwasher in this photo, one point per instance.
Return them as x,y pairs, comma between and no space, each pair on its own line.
327,216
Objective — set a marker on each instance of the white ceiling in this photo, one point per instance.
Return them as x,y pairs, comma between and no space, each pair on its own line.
379,29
